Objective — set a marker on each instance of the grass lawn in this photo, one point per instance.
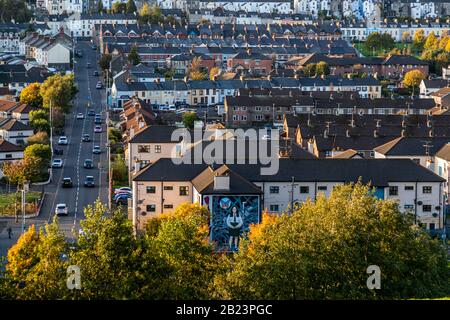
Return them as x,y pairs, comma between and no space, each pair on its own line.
376,53
7,203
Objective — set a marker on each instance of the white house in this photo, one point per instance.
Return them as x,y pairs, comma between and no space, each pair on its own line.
15,132
265,6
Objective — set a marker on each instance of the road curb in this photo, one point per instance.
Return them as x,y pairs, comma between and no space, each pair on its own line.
44,182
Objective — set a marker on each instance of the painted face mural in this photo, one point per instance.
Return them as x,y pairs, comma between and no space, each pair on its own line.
231,217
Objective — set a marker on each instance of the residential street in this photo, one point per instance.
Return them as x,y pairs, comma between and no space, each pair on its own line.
79,196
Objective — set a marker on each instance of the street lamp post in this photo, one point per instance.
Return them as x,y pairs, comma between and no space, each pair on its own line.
24,191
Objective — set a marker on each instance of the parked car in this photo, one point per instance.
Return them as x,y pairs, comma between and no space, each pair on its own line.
88,164
58,152
67,182
89,182
94,47
62,140
61,209
96,150
57,163
95,73
86,138
118,190
98,129
80,115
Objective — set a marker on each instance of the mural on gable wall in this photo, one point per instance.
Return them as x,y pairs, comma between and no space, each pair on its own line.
231,217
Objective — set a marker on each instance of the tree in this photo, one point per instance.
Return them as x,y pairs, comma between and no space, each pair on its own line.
14,9
39,137
376,41
419,39
171,20
133,56
195,70
322,68
20,171
31,96
431,42
215,71
310,69
405,36
322,251
119,169
105,61
189,118
39,151
131,6
413,78
39,120
100,7
119,7
106,254
181,241
60,90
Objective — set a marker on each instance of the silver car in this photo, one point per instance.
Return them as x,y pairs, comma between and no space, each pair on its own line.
61,209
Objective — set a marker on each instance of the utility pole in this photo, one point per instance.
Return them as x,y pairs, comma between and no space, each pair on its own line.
24,191
292,196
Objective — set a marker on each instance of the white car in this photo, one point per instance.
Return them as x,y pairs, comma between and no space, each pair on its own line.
62,140
123,190
80,116
61,209
57,163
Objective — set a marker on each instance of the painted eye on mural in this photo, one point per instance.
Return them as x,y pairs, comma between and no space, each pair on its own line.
225,203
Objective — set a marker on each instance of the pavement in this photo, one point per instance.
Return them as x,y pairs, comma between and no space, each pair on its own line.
78,197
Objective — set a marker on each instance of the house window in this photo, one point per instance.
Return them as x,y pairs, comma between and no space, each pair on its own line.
274,208
393,191
151,189
322,188
408,206
304,189
168,188
409,188
168,206
426,189
151,208
143,149
274,189
8,156
257,108
432,226
184,191
157,148
426,208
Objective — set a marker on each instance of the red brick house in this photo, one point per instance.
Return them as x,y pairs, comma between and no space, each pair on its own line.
255,63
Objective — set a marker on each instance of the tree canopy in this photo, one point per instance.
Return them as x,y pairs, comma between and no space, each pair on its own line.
30,95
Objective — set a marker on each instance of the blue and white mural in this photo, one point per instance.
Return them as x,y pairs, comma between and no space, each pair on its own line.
231,217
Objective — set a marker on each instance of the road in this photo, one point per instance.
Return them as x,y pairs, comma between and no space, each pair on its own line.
78,197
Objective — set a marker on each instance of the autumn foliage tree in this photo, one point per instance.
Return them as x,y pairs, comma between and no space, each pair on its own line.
323,249
31,95
413,78
58,90
195,70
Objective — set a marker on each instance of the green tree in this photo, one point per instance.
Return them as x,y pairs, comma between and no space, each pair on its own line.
119,169
310,69
100,7
30,95
40,151
39,120
322,68
131,6
119,7
189,118
133,56
189,264
106,254
323,249
105,61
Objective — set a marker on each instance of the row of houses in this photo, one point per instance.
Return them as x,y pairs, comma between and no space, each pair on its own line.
198,92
